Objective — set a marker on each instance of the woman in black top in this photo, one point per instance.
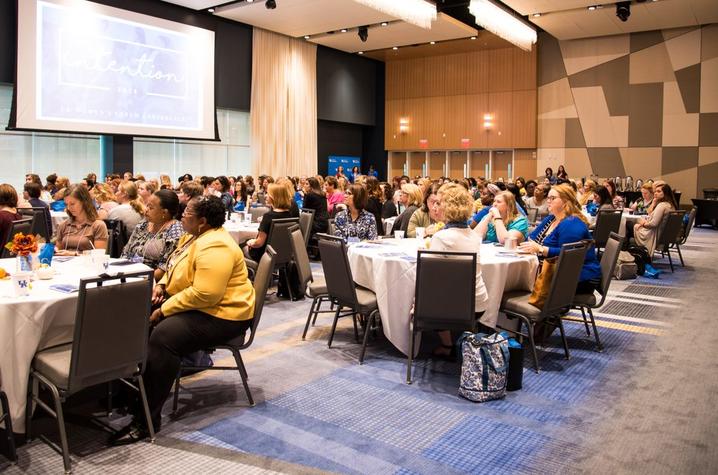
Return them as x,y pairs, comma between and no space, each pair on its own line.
315,199
388,209
373,204
280,201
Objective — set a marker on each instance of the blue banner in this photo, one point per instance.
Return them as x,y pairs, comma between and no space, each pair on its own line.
345,162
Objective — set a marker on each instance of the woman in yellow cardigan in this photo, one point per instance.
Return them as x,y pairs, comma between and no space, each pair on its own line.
206,299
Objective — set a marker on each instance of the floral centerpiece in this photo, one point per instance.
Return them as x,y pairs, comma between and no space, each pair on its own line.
25,247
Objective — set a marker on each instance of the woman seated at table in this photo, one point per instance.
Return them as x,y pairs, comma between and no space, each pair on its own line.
373,201
388,208
503,220
586,194
616,199
427,216
8,210
602,199
131,208
315,199
83,231
455,206
334,196
355,222
641,204
538,200
644,232
156,237
206,299
411,198
565,224
280,201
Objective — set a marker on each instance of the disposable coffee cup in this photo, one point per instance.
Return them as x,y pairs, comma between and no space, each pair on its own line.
420,233
398,234
510,244
21,283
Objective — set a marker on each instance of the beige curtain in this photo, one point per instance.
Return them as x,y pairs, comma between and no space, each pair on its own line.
284,105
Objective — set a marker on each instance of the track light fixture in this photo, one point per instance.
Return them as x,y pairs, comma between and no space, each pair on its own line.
363,33
270,4
623,10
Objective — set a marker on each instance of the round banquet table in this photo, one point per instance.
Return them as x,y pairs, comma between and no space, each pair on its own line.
388,268
40,320
242,232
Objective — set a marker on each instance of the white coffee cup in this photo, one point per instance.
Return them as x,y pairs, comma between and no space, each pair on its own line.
420,233
398,234
234,217
21,283
100,262
510,243
45,272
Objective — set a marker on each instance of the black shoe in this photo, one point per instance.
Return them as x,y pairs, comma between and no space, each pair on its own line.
130,434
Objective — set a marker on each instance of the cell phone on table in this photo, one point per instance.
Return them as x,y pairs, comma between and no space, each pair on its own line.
123,262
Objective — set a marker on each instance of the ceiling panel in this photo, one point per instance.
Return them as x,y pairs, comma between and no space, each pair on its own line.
484,41
528,7
398,34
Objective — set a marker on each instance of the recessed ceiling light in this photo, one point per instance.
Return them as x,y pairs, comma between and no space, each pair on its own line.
384,23
361,52
592,7
395,48
536,15
344,30
473,37
211,10
432,43
250,1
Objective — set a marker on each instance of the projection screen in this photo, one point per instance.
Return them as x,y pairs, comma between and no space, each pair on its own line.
85,67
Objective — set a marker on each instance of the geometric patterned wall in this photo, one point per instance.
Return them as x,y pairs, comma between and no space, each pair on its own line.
640,104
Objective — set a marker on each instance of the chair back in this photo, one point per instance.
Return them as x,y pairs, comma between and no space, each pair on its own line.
670,230
18,226
306,221
532,215
608,221
41,218
111,328
257,212
565,278
301,258
689,225
609,259
117,237
337,273
278,238
262,280
332,227
441,303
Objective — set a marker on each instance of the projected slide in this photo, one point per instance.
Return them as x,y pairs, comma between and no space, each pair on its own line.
102,69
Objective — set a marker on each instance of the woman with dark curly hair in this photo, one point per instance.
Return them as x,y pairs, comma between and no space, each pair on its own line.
204,299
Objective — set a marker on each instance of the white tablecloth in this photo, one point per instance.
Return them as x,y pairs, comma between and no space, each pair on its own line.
57,217
628,219
389,269
242,232
42,319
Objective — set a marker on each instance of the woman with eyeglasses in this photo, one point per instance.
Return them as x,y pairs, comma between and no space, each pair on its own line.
565,224
355,222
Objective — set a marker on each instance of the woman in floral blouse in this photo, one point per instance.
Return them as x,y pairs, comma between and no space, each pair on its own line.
355,221
156,237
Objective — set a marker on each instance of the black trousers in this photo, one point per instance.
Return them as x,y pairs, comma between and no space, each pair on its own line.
173,337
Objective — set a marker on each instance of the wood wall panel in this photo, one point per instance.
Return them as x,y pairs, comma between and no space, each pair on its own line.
437,160
476,106
525,164
457,75
524,72
415,112
500,106
477,72
454,125
398,159
523,119
393,110
435,75
416,163
436,121
500,164
501,70
479,159
457,160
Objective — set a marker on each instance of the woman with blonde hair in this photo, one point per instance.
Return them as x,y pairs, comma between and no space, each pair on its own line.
145,189
131,209
455,208
412,198
589,188
641,205
565,224
280,200
84,230
291,190
105,198
503,220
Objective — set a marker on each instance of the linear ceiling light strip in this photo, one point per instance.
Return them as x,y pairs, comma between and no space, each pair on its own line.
416,12
503,24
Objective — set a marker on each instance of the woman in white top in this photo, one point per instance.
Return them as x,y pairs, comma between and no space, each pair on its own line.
131,208
454,208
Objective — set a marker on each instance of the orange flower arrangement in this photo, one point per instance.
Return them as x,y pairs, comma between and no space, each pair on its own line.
22,244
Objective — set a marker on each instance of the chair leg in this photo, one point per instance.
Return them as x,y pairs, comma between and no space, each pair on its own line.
532,343
370,321
670,261
356,329
61,426
678,248
31,393
12,453
563,337
585,322
243,374
334,326
410,356
175,398
309,317
286,281
146,406
599,346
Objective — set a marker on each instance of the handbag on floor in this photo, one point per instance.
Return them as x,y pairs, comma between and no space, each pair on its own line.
626,267
641,256
484,366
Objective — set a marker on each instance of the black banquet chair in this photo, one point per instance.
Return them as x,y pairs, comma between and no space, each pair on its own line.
560,298
117,237
109,343
5,419
42,224
607,221
262,279
455,310
18,226
670,234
